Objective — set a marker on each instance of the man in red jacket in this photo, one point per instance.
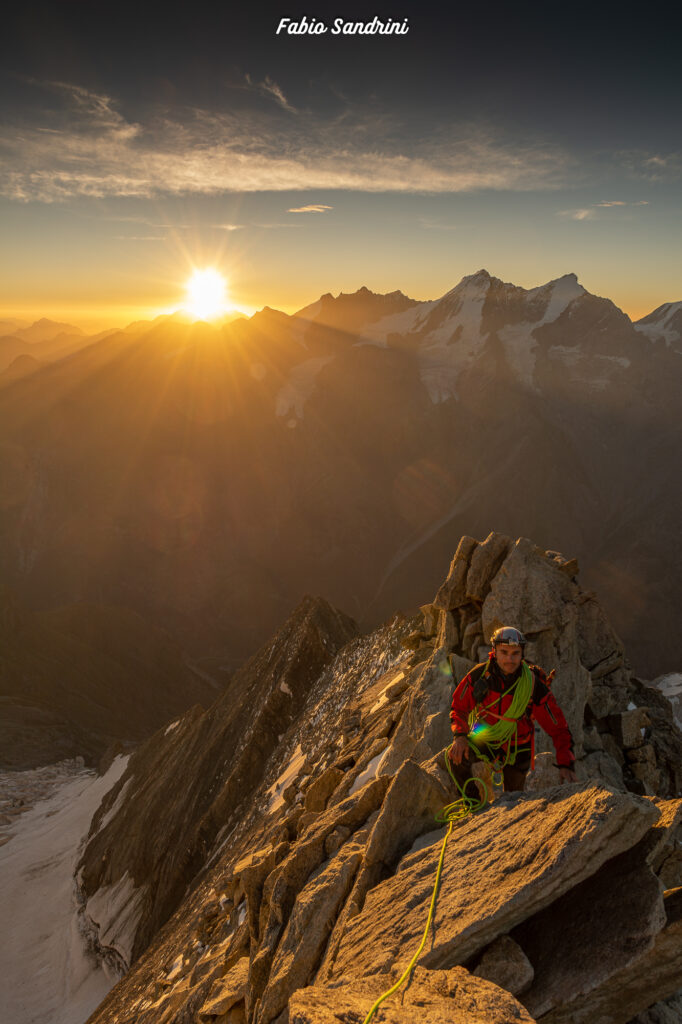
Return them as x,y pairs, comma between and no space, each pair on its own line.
485,698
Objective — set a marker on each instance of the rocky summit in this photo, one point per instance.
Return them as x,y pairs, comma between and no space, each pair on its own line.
272,859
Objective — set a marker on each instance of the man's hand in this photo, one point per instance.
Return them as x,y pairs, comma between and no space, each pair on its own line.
459,751
567,775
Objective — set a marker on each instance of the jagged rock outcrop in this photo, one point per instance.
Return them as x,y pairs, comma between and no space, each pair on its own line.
306,869
561,838
159,824
608,709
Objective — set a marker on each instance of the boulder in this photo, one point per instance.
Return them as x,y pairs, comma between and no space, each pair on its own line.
414,798
505,964
652,977
227,991
307,931
282,888
663,734
485,560
665,854
671,688
601,650
667,1011
439,997
501,866
544,775
628,727
529,590
601,767
598,928
321,789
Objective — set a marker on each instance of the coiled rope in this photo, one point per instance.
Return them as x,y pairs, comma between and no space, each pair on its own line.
497,737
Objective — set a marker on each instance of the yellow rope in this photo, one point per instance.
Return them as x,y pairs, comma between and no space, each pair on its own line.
494,737
408,970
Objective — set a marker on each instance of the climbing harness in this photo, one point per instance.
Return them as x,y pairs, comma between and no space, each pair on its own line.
494,737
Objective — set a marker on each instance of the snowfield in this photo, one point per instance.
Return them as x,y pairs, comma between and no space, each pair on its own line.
48,976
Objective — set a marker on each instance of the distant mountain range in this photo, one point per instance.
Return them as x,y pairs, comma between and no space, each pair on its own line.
209,477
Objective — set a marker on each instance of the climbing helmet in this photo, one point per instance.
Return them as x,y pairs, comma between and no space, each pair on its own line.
508,635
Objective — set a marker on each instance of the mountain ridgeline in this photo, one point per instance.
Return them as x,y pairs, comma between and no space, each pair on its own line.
271,860
207,477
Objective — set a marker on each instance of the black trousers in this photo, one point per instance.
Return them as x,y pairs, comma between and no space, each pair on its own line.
514,775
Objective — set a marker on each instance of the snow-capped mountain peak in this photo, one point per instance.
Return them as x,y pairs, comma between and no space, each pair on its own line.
663,324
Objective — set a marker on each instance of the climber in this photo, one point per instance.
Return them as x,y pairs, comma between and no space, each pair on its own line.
484,698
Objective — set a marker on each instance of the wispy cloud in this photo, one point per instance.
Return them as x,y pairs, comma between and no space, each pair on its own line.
652,167
621,202
437,225
270,88
313,208
228,227
101,154
590,212
585,214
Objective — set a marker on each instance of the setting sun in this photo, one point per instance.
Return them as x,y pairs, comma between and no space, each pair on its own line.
206,296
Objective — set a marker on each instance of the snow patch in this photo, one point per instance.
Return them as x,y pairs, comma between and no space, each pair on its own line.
569,354
407,322
116,806
285,689
293,768
662,329
456,342
574,356
383,696
175,970
115,912
48,975
564,291
367,774
671,687
518,341
172,726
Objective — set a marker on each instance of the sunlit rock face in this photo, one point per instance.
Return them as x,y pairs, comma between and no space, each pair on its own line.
207,477
279,849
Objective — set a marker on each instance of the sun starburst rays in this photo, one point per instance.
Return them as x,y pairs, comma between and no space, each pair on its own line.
206,294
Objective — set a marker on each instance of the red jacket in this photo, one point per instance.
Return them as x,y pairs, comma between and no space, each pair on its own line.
542,707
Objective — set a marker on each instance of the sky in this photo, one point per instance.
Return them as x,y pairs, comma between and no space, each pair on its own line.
138,143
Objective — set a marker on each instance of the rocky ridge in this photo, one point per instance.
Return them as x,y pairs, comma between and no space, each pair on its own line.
297,887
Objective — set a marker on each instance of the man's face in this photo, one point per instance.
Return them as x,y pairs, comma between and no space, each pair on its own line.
508,657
